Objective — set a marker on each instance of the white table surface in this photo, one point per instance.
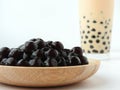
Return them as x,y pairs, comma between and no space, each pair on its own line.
107,78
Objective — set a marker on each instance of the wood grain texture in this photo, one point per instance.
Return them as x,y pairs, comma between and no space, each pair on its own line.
47,76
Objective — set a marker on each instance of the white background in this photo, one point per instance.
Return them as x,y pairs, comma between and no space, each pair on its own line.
21,20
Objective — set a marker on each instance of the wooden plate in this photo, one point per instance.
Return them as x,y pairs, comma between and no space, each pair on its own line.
47,76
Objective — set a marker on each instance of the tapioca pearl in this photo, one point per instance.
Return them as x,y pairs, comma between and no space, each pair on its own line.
107,23
99,33
88,32
104,43
95,51
90,41
101,22
86,37
106,47
108,42
91,46
88,21
83,31
93,36
88,26
105,32
94,21
84,17
105,27
103,37
97,41
93,29
97,36
101,51
89,51
107,37
85,42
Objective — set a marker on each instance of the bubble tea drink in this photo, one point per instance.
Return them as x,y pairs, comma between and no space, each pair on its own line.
95,26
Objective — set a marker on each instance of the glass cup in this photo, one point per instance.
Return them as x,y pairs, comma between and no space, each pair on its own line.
96,18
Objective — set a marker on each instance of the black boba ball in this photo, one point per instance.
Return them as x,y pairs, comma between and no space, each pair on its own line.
95,51
58,45
33,39
45,49
49,44
16,53
40,62
36,62
68,62
33,62
75,61
47,62
29,47
72,54
68,59
39,44
51,53
84,60
37,53
22,62
67,51
22,47
77,50
3,62
0,58
61,61
20,54
10,61
26,56
50,62
63,53
53,62
4,52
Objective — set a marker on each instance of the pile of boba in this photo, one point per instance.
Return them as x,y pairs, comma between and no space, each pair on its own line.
39,53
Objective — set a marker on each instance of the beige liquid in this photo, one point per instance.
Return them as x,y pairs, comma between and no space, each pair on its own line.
96,25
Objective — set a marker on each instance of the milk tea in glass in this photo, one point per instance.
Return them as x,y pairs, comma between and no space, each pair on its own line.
96,18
